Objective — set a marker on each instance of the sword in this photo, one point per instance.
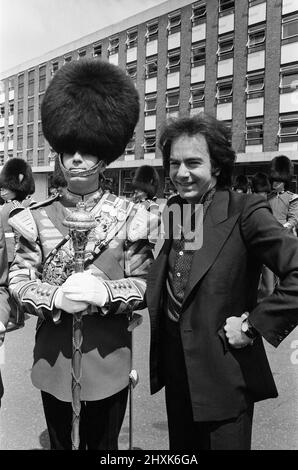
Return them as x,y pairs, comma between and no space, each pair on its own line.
80,222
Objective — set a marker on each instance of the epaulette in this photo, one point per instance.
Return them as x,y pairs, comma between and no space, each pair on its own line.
44,203
22,220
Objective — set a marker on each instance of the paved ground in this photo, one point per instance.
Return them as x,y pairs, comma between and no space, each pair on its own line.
22,424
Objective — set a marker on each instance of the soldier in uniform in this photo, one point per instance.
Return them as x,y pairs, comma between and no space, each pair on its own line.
89,113
17,186
145,183
284,205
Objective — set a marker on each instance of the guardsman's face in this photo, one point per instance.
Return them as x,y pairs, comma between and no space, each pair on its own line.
7,194
77,162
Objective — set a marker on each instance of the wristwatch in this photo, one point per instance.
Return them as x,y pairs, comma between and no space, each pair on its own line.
248,330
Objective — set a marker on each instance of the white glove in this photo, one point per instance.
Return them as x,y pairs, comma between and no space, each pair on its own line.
70,306
85,287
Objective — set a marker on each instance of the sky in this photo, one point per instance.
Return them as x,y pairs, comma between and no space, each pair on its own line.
30,28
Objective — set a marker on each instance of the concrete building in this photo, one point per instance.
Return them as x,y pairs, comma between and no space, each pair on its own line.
235,59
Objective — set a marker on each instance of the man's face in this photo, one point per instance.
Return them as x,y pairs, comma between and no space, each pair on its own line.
278,186
139,195
77,162
190,167
7,194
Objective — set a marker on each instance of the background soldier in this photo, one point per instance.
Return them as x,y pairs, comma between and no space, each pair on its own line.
88,114
17,185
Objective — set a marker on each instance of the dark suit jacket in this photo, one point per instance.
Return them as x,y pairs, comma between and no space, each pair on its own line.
239,235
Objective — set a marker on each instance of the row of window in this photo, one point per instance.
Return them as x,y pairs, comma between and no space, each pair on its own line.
254,132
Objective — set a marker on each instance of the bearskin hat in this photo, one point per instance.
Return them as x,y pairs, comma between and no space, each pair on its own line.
260,183
282,169
17,176
241,183
90,106
146,178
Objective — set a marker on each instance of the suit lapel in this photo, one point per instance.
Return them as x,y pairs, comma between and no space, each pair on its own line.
216,229
156,277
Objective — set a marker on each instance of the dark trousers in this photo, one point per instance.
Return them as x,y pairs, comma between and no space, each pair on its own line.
100,422
184,432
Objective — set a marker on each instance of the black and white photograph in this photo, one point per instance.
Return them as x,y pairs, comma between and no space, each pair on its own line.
149,228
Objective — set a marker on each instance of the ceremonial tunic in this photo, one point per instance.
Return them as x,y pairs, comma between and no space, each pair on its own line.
284,206
37,271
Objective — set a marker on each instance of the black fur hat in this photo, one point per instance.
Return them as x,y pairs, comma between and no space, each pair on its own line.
241,183
260,183
146,178
282,169
17,176
90,106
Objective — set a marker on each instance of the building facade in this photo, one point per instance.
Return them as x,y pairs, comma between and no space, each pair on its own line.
235,59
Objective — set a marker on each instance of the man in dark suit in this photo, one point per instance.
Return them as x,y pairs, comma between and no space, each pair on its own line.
206,326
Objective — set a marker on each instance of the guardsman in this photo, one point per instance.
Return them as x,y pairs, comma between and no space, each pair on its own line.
17,186
89,113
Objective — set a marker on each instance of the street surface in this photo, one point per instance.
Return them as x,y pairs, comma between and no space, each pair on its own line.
22,424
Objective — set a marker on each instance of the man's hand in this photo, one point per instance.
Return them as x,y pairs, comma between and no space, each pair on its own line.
70,306
237,339
85,287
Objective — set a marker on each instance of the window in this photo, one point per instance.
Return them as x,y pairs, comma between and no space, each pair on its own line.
256,36
254,132
197,96
29,156
198,12
225,44
224,90
151,67
30,109
149,142
131,70
173,60
288,128
172,100
2,111
1,136
97,50
81,54
10,133
67,59
11,109
150,103
20,138
40,142
152,31
1,158
21,86
254,83
198,53
31,75
132,39
225,5
30,136
290,27
174,22
289,79
11,84
55,67
130,148
113,46
20,112
40,98
42,78
40,157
